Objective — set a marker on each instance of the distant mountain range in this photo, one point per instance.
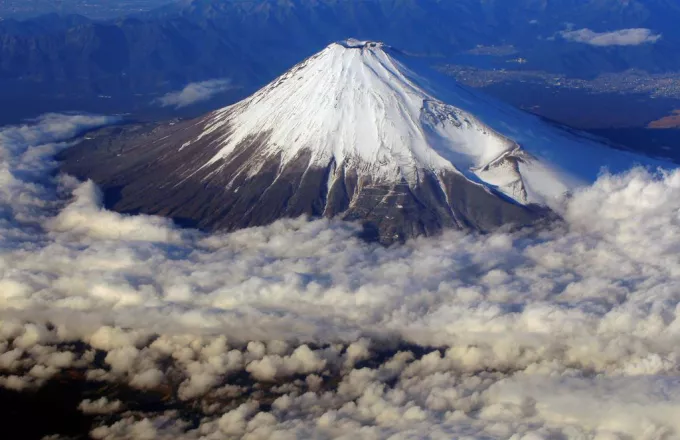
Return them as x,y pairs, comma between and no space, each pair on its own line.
98,9
135,59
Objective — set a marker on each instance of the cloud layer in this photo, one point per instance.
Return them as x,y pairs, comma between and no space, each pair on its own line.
300,330
195,92
622,37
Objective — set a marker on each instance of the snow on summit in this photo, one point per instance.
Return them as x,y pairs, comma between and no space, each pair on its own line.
358,103
355,104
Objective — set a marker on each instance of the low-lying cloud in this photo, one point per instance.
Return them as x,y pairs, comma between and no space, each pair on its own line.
195,92
622,37
300,330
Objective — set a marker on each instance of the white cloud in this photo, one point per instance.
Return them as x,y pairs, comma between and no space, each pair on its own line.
622,37
301,361
300,330
195,92
100,406
86,216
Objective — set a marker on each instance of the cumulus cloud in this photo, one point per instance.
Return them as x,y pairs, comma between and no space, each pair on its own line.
100,406
300,330
622,37
195,92
86,216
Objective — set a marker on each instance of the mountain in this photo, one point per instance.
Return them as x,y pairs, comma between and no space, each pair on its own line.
359,131
134,60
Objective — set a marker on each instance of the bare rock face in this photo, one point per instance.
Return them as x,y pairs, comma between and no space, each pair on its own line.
355,132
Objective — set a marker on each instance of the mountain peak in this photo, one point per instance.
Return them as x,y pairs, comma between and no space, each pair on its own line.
358,131
353,43
362,108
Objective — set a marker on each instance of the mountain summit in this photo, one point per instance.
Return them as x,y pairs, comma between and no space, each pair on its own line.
358,131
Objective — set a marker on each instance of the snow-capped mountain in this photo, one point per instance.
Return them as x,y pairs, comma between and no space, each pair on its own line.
358,131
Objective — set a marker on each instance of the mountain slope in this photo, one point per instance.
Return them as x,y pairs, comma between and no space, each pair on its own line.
359,131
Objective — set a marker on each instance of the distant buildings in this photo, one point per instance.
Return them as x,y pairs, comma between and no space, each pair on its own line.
632,81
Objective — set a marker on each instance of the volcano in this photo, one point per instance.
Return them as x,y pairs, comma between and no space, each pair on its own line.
360,132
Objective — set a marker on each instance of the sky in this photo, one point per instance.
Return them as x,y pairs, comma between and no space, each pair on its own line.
301,330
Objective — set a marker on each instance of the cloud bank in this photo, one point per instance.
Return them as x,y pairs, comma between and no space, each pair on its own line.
195,92
300,330
622,37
